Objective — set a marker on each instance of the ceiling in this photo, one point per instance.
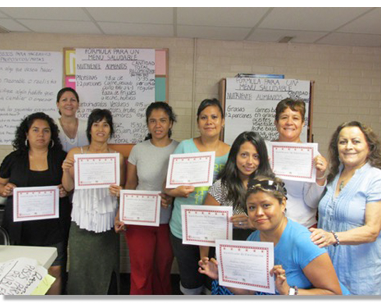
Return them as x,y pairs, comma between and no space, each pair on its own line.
346,26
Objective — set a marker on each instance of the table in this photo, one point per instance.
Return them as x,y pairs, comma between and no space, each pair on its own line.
44,255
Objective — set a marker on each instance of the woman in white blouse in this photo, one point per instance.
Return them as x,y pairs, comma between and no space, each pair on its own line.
72,130
93,243
303,197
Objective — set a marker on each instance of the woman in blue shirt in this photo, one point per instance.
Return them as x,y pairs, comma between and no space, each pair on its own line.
300,267
350,211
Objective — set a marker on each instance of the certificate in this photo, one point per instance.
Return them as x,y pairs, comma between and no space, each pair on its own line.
246,265
294,161
140,207
93,171
203,225
35,203
194,169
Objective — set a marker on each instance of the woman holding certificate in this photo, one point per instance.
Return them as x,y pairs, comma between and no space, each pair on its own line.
151,262
93,243
300,267
247,158
303,197
350,210
36,162
210,120
72,130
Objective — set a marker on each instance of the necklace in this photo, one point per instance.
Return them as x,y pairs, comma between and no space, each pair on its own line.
341,186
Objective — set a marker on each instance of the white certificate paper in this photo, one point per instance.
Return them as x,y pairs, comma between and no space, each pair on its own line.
93,171
203,225
194,169
140,207
246,265
35,203
294,161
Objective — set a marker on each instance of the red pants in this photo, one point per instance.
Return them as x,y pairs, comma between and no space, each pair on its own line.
151,259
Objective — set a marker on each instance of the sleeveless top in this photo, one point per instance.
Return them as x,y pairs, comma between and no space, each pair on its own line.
94,209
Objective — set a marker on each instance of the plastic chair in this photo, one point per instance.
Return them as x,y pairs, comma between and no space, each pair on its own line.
4,237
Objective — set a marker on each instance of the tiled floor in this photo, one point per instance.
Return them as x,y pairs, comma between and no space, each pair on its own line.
125,284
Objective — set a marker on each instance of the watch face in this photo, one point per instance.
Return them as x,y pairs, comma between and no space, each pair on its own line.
291,291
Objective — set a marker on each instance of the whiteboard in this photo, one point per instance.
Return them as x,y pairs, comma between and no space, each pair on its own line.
29,82
250,105
120,80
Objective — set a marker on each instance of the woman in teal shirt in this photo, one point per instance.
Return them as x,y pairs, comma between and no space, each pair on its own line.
210,120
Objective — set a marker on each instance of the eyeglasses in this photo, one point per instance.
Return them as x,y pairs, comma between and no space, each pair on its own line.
267,185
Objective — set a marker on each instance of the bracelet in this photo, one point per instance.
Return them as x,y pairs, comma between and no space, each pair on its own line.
336,238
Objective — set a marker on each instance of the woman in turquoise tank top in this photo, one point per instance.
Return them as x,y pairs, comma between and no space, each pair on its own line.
210,120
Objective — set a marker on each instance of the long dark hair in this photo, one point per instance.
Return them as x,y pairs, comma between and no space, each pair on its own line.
96,116
229,175
374,157
20,143
166,108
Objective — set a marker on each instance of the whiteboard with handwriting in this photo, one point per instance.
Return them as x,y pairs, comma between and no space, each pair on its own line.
121,80
250,105
29,82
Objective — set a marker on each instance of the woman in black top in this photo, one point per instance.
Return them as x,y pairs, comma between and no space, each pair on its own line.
37,161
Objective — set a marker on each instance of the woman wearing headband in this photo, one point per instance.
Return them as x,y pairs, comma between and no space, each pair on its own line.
300,267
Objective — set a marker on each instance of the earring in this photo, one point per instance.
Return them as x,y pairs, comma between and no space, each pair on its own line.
51,146
26,143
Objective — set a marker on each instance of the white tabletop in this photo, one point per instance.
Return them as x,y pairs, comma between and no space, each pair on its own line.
44,255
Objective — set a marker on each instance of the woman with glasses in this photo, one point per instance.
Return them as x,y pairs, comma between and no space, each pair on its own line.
300,267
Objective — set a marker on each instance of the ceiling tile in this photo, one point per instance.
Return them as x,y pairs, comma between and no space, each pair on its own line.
266,35
57,26
139,15
310,18
136,29
12,26
48,13
222,33
348,39
370,23
220,16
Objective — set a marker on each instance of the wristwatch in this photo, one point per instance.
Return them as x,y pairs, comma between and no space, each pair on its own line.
293,290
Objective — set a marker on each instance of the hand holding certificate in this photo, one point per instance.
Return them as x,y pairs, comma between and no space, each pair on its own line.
203,225
140,207
294,161
35,203
93,171
246,265
194,169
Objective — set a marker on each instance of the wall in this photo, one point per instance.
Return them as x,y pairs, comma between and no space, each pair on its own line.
347,79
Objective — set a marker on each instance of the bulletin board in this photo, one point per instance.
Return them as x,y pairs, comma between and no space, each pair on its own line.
250,103
29,82
123,80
